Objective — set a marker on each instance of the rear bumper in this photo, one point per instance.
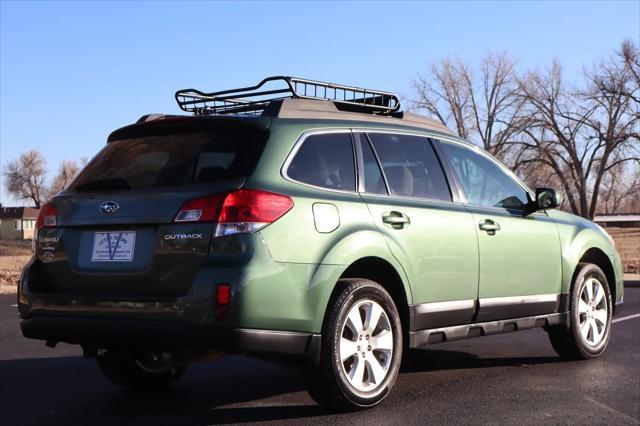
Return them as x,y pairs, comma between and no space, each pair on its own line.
97,333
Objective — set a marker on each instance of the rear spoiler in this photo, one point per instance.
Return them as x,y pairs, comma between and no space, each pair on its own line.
160,124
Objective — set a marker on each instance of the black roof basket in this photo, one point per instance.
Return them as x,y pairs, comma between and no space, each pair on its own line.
253,100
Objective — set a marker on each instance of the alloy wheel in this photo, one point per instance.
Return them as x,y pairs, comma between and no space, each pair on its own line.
366,345
593,312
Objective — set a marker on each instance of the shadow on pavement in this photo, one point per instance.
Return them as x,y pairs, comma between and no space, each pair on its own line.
71,390
423,360
65,390
262,414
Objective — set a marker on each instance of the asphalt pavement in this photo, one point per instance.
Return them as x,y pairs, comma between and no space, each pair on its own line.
512,378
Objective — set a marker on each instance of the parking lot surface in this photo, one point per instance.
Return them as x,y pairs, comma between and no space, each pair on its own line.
513,378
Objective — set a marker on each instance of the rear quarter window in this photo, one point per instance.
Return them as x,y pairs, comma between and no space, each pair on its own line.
325,160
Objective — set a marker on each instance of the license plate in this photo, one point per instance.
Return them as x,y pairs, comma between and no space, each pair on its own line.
113,246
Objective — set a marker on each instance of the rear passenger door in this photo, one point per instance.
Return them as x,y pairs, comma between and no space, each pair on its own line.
405,188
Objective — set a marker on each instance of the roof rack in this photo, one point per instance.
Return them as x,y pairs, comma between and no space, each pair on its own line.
253,100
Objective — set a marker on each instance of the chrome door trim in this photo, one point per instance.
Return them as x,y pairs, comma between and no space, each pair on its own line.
501,308
518,300
453,305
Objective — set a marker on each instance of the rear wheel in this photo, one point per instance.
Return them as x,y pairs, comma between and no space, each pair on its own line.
361,348
141,371
590,312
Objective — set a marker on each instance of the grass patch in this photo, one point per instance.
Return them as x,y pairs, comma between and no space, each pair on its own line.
13,256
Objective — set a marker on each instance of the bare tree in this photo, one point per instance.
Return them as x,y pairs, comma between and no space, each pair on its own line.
495,103
67,171
631,58
552,129
581,134
614,90
620,188
632,205
24,177
444,94
483,108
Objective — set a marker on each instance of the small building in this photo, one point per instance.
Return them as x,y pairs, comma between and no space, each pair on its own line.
17,223
618,220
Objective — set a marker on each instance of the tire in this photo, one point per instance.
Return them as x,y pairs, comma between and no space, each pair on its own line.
371,355
141,371
586,336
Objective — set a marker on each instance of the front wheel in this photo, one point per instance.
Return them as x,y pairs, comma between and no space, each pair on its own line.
361,348
590,312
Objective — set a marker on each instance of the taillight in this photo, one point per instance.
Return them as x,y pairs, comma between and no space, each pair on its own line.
47,216
241,211
248,210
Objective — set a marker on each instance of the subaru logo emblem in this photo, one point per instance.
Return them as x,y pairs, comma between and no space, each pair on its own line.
109,207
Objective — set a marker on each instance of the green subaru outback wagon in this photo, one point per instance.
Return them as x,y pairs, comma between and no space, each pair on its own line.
312,222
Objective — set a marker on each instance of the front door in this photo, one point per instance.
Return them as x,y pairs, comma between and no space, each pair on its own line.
520,256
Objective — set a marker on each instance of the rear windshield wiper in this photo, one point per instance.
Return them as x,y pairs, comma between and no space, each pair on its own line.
104,184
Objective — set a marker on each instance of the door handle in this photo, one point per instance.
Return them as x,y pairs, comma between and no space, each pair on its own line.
489,226
395,219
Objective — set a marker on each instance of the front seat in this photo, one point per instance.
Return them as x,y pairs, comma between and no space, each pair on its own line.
400,181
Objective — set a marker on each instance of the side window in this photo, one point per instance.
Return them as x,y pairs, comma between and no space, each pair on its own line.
483,181
410,166
325,160
373,180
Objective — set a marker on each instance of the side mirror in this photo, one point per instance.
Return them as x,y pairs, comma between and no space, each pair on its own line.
547,198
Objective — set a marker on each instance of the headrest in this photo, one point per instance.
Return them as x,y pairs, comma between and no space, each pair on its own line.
400,180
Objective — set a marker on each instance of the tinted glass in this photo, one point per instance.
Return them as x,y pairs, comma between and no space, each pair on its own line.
373,181
483,181
410,166
325,160
174,159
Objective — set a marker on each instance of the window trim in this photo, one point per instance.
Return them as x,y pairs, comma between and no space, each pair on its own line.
359,140
457,191
298,144
436,138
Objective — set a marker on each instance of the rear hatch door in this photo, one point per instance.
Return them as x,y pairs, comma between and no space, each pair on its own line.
116,236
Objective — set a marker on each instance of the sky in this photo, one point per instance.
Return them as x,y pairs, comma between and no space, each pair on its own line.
71,72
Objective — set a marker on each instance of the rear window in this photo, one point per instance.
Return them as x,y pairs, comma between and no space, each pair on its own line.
175,159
